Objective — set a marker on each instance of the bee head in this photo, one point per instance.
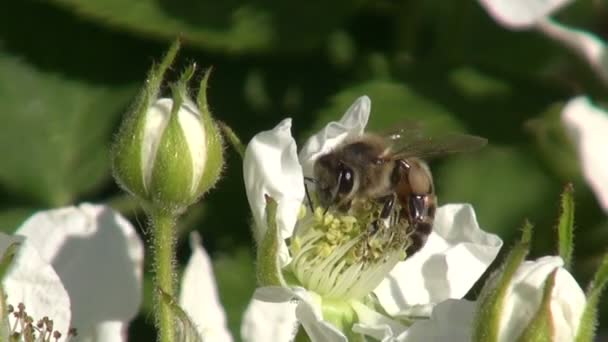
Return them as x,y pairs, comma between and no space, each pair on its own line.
334,179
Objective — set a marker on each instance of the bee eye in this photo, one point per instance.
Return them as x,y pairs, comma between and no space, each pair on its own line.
345,179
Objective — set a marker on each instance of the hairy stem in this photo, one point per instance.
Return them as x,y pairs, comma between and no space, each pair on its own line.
163,258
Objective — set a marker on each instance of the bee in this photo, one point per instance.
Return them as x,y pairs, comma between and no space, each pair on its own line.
389,170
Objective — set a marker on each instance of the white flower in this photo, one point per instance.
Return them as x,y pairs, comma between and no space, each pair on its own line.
329,292
534,14
524,295
199,298
587,125
80,266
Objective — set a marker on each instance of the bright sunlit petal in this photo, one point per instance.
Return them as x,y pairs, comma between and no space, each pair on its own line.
271,167
520,14
451,321
351,124
31,280
94,250
587,125
199,296
454,257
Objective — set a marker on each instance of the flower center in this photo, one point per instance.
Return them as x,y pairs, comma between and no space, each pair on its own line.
25,328
345,255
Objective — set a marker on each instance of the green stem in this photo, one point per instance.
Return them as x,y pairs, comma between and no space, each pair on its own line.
164,256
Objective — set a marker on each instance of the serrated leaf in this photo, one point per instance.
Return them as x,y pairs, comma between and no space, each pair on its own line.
230,26
55,131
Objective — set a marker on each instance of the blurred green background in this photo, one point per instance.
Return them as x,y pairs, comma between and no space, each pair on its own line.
70,68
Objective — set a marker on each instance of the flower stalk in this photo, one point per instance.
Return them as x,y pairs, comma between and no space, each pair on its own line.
163,224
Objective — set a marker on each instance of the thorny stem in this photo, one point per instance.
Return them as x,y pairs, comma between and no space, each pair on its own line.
163,257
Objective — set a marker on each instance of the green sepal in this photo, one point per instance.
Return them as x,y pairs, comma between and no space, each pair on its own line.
541,327
565,226
492,297
127,146
268,268
588,324
171,180
215,145
233,139
185,329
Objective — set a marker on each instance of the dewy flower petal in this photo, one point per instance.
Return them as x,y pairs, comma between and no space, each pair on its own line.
521,14
353,123
587,125
31,280
271,167
199,297
525,293
76,241
454,257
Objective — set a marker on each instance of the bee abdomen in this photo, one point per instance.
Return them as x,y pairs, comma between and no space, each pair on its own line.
421,225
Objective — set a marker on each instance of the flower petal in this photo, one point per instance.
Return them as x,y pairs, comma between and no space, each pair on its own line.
587,126
271,167
310,316
199,296
269,321
31,280
451,321
587,45
376,325
520,14
352,123
456,254
525,293
76,241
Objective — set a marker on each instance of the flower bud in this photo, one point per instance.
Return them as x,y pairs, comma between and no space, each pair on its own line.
168,151
542,302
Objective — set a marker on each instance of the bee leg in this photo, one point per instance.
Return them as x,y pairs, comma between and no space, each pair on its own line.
388,203
312,209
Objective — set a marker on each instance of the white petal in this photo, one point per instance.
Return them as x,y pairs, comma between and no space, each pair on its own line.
525,293
310,316
376,325
271,167
587,126
567,305
587,45
451,321
456,254
519,14
94,251
199,296
190,121
31,280
268,321
352,123
157,119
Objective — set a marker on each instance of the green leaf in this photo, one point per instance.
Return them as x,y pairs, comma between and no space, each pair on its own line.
185,329
228,26
268,268
491,299
565,226
54,131
588,324
541,327
503,184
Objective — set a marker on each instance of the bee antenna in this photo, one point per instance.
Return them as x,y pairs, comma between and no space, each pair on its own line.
310,179
308,196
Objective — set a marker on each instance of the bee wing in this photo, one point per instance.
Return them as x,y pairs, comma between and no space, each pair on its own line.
415,144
